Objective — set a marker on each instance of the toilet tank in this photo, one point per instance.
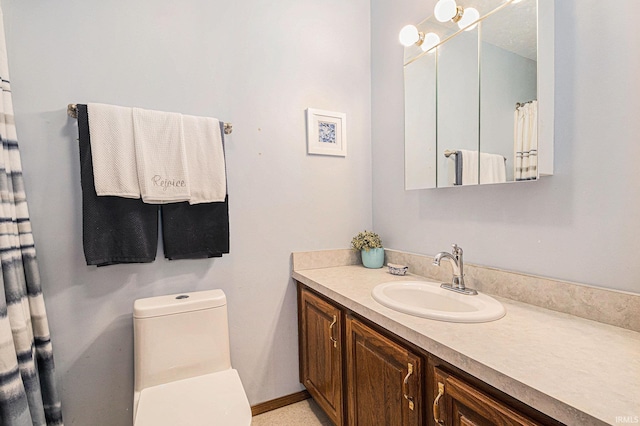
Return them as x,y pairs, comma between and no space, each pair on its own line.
180,336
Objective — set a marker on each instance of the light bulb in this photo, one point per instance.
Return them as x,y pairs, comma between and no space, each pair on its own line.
430,41
470,16
445,10
409,35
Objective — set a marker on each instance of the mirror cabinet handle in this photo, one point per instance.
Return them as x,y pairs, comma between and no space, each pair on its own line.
436,402
335,342
404,386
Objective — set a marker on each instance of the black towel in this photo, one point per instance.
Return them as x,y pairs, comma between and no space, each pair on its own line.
196,231
458,164
115,230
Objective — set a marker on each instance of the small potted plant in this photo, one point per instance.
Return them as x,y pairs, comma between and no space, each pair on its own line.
369,244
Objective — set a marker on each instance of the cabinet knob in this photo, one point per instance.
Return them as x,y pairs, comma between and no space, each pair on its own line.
404,386
436,402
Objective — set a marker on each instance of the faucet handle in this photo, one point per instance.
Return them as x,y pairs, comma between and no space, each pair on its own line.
456,250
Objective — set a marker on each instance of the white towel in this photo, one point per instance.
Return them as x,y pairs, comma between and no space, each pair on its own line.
205,159
492,168
160,155
469,167
113,151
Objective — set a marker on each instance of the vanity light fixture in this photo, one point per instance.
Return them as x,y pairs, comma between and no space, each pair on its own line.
444,10
469,16
410,35
431,40
448,10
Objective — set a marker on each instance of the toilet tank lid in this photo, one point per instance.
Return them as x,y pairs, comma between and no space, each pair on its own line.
178,303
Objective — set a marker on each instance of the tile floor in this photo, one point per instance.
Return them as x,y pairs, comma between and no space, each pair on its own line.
303,413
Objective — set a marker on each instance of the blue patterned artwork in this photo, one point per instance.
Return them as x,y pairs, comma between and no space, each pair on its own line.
326,132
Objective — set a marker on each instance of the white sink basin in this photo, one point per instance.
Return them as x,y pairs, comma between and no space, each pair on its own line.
428,300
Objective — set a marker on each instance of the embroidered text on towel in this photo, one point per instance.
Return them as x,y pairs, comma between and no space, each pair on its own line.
167,183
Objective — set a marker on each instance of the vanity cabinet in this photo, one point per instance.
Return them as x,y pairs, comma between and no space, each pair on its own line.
384,379
363,375
320,337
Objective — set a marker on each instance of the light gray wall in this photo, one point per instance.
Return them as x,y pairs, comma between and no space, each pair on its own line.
255,63
580,224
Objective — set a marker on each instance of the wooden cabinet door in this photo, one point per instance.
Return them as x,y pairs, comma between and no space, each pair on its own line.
321,352
384,379
460,404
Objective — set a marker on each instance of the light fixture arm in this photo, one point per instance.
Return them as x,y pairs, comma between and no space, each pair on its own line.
458,15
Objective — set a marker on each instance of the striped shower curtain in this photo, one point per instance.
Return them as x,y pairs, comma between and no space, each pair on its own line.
28,393
525,141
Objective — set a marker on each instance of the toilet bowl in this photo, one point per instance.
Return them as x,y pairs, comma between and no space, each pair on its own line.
183,373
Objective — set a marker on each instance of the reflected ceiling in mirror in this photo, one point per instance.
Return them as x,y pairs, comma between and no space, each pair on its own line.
446,30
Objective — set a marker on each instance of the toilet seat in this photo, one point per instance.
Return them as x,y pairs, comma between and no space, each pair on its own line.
211,399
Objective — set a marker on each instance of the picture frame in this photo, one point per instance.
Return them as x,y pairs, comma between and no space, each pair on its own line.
326,132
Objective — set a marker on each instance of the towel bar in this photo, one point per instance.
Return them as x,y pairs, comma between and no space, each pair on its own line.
72,111
448,153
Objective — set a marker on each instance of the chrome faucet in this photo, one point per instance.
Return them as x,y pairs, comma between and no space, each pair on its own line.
455,257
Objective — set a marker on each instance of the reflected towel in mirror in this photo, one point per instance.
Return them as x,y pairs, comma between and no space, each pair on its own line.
492,167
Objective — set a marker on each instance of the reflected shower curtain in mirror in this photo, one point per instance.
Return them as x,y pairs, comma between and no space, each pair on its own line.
526,141
28,393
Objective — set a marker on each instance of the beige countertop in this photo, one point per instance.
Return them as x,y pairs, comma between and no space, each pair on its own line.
578,371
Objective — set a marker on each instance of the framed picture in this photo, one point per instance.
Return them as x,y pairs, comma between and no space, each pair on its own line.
326,132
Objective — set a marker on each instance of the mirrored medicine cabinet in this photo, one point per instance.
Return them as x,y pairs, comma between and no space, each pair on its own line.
479,99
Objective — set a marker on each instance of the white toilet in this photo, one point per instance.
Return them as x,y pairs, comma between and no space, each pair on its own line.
183,374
